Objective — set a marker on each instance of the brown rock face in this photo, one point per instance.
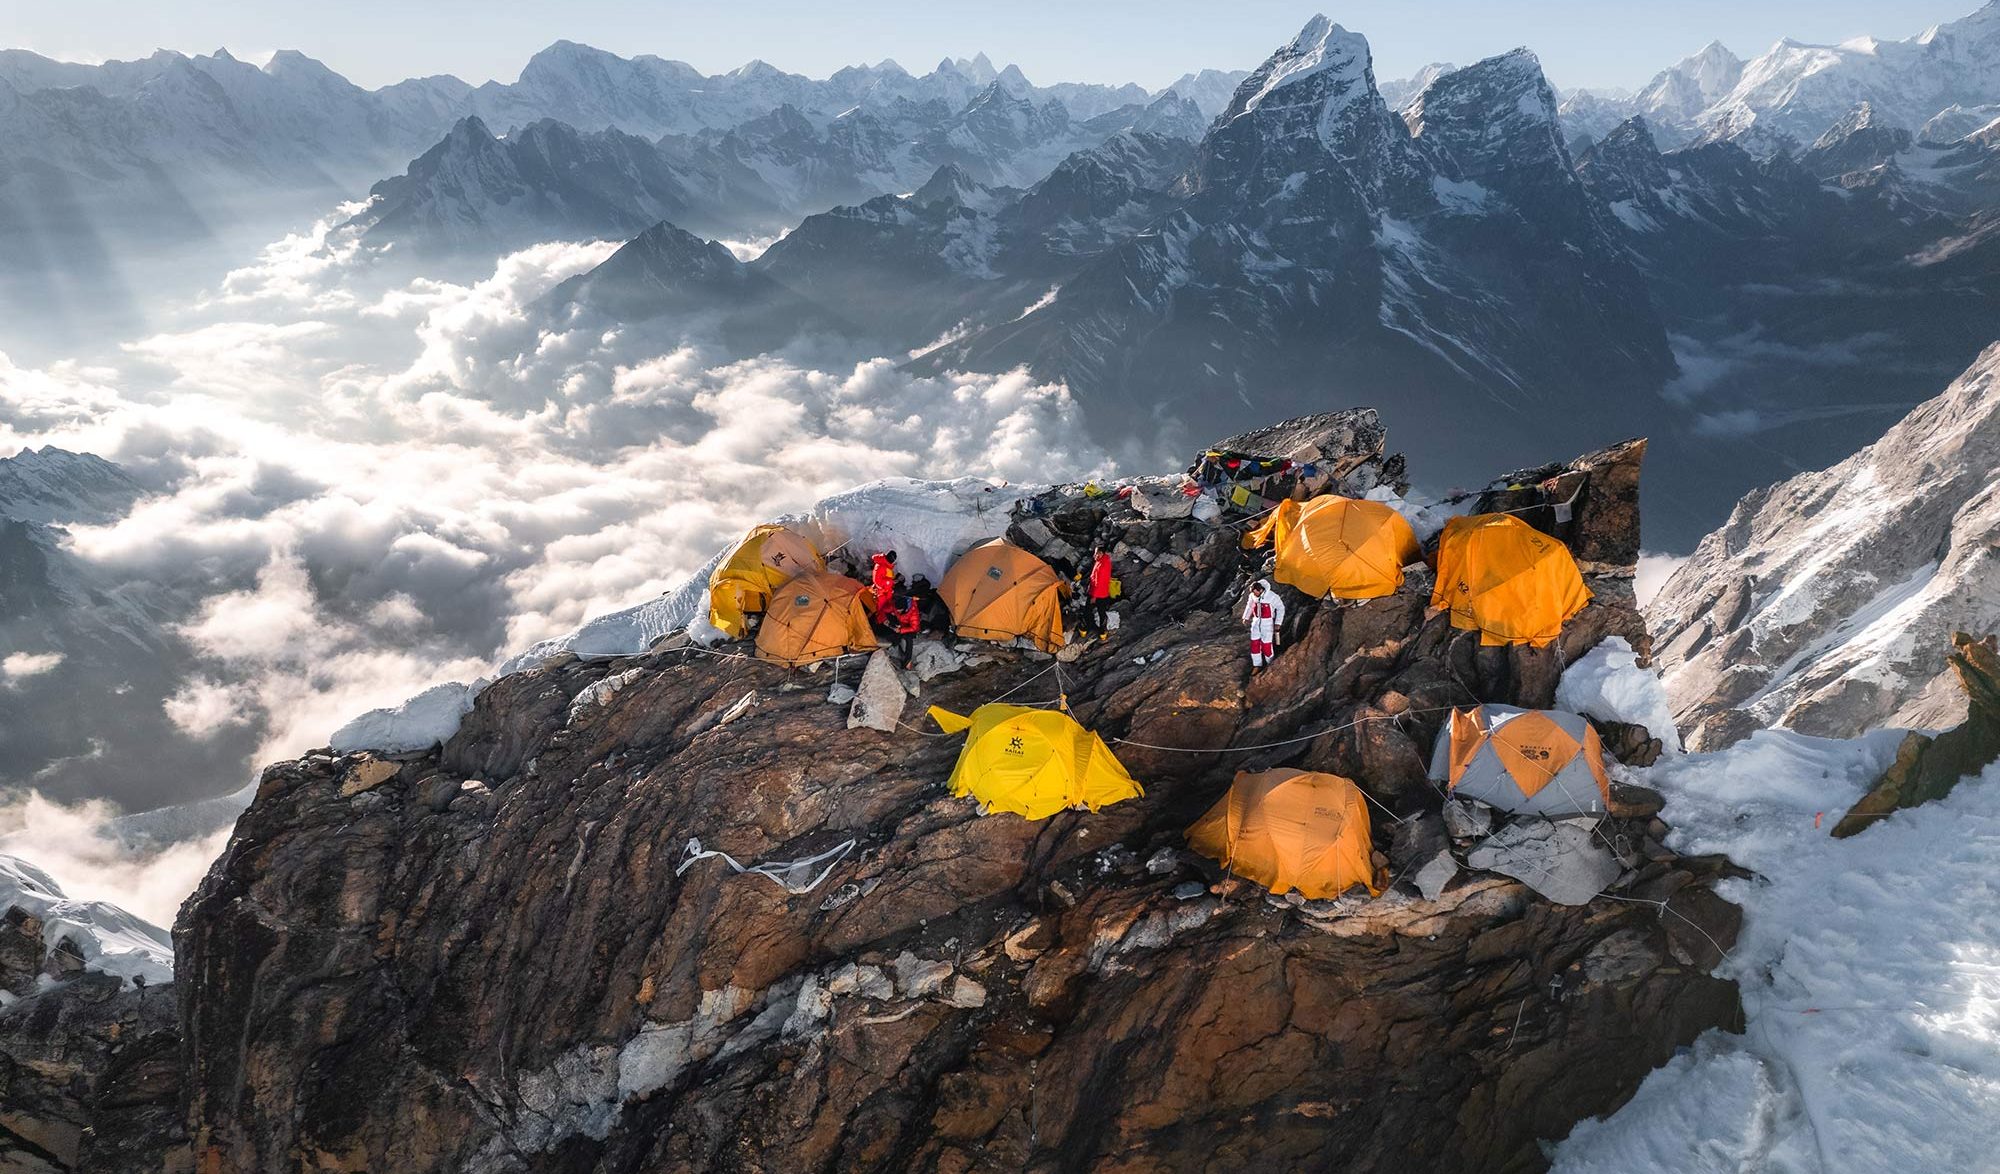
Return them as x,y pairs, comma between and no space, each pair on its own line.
91,1080
488,961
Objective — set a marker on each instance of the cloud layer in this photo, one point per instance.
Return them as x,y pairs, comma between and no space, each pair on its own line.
364,484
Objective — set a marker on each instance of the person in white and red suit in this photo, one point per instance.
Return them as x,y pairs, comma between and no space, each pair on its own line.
1264,612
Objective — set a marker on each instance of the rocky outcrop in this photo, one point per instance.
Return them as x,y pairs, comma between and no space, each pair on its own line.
90,1074
1926,767
502,956
1826,603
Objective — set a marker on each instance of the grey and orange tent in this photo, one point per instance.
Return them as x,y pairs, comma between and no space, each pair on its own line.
1506,580
1290,829
997,591
1525,761
814,617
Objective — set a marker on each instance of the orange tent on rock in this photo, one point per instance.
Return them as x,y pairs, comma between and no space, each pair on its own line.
1506,580
1291,829
1526,761
814,617
1338,546
997,591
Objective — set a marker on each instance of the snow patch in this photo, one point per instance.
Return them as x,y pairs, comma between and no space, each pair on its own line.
110,940
1607,683
1868,968
426,720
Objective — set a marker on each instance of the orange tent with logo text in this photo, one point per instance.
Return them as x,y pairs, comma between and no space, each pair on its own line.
1338,546
1291,829
1506,580
816,616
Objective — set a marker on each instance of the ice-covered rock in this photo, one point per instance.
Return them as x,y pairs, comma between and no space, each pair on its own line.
426,720
95,935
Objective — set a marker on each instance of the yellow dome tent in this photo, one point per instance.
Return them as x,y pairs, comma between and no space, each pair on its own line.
1527,761
1291,829
1506,580
1033,762
765,560
997,591
816,616
1338,546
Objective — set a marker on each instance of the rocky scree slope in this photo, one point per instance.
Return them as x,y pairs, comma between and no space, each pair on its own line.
1827,602
482,957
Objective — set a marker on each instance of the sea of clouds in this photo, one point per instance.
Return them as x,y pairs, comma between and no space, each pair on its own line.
362,482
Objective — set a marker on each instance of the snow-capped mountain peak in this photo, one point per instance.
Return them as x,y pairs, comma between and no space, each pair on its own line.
1321,47
53,485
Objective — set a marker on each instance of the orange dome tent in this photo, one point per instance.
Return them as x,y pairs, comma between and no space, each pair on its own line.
816,616
1506,580
1290,829
765,560
1338,546
997,591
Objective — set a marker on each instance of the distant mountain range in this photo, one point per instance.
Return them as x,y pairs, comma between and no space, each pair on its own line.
89,660
1795,92
548,179
1315,246
1756,262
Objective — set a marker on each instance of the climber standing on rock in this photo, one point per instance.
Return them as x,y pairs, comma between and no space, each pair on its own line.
1100,592
905,618
885,585
1264,612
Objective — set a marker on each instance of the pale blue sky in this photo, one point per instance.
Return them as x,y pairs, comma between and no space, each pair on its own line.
1611,43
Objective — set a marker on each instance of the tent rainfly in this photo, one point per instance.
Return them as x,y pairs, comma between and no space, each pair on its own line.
814,617
765,560
997,591
1338,546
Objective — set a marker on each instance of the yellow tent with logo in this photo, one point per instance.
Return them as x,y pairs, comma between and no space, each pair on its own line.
1338,546
1506,580
816,616
1033,762
1527,761
765,560
1291,829
997,591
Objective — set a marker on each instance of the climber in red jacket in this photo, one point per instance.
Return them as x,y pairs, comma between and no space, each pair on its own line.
1100,592
907,618
885,585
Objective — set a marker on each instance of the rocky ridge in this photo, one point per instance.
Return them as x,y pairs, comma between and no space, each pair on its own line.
487,956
